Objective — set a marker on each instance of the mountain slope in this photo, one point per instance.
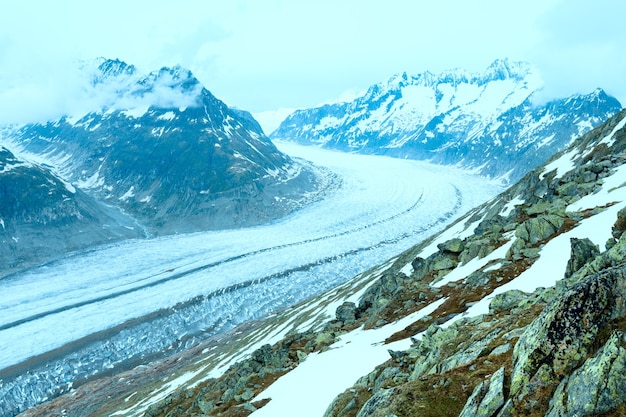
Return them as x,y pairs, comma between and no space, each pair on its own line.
43,216
162,148
516,309
484,121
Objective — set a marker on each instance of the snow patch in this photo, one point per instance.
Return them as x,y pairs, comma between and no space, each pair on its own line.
610,139
407,269
128,194
562,164
355,354
136,113
508,207
170,115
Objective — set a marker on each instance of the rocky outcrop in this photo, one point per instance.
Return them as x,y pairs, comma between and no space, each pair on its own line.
487,398
43,217
583,250
565,333
598,386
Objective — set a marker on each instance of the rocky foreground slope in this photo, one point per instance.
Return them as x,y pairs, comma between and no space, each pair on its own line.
515,310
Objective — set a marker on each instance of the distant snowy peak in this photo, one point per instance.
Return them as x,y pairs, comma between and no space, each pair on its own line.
109,68
447,117
499,70
112,84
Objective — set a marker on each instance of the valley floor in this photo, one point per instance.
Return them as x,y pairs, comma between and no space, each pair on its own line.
101,311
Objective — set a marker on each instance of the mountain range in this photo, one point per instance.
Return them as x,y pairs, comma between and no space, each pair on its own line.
516,309
490,122
160,155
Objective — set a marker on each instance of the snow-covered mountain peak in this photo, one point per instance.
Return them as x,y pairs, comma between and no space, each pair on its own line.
115,68
446,117
499,70
502,69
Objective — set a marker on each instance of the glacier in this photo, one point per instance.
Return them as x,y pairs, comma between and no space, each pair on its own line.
113,307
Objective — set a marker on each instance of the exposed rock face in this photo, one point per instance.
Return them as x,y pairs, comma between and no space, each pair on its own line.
42,216
487,398
564,333
598,386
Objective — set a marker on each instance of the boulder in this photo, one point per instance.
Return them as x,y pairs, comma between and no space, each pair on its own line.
583,250
506,301
487,398
598,386
455,245
563,334
537,229
620,224
346,313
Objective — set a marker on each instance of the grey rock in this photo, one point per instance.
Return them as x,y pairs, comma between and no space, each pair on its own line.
455,245
346,313
583,250
473,402
381,399
507,409
487,397
506,301
620,224
501,349
537,229
565,331
598,386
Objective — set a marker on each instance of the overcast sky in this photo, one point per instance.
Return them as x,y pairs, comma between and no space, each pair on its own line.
265,54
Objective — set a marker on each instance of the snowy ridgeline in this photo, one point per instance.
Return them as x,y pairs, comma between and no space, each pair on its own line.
209,282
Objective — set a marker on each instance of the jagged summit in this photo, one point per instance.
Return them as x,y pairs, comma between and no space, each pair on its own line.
114,68
500,69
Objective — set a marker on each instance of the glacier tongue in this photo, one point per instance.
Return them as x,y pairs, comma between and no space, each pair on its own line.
137,299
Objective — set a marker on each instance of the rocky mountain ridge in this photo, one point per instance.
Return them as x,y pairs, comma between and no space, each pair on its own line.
488,122
167,153
32,196
516,309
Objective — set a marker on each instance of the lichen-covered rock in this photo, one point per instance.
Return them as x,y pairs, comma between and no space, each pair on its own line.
598,386
346,313
442,262
428,352
537,229
506,301
583,250
564,332
455,245
487,397
380,400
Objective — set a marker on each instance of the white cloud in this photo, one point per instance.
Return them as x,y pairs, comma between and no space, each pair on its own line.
266,54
